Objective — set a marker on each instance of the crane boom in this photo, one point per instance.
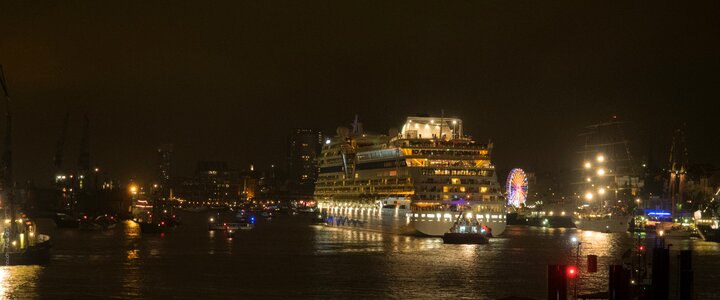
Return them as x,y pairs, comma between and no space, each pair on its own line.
60,145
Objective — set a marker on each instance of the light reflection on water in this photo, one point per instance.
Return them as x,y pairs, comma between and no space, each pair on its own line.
291,257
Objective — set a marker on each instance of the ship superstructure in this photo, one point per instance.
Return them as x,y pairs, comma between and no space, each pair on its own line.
429,171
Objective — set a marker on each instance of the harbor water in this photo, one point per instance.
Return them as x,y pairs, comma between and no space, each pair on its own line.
291,256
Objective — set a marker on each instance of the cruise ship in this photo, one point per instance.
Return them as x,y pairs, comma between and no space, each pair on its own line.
425,176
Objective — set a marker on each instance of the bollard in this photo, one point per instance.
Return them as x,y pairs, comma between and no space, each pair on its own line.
618,283
557,282
660,274
686,275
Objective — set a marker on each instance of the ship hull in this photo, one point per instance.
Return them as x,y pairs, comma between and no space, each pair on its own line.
708,233
38,254
393,221
615,224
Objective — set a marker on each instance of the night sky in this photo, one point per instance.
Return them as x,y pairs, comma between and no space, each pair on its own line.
227,80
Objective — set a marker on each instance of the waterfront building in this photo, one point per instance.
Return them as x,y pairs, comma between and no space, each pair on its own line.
304,146
164,168
213,184
249,184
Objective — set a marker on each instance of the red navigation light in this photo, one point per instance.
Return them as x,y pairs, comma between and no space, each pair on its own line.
642,248
162,223
571,271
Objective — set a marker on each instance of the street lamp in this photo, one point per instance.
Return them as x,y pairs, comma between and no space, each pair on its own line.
577,263
600,158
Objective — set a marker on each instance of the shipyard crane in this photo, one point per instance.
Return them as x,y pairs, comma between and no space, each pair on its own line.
60,145
84,158
7,178
7,153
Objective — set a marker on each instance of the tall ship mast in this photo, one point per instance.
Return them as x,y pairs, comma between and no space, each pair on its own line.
609,182
429,173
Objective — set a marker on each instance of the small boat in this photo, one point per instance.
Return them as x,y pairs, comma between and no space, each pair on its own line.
35,254
464,238
103,222
146,227
63,220
226,226
466,231
246,226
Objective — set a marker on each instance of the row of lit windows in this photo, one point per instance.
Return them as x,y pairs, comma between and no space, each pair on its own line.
453,189
461,172
483,154
424,162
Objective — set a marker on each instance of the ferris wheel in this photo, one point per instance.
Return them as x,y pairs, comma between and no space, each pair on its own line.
517,187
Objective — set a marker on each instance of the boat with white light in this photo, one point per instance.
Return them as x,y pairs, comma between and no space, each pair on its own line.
466,231
423,176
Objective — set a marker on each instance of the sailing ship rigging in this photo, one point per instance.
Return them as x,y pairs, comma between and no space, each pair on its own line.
609,180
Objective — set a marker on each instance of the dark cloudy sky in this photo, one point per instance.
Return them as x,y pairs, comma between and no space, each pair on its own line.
227,80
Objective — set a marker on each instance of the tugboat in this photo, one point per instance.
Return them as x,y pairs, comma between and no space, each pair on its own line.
21,245
154,223
63,220
216,223
466,230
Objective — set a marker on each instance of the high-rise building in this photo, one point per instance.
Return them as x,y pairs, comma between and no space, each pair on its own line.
215,182
304,146
164,169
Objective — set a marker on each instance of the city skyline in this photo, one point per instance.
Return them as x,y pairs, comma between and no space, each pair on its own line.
226,83
359,149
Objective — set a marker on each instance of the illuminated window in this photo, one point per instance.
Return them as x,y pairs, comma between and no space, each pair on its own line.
462,189
455,180
446,189
483,189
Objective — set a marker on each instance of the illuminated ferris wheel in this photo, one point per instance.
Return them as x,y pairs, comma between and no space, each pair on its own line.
517,187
